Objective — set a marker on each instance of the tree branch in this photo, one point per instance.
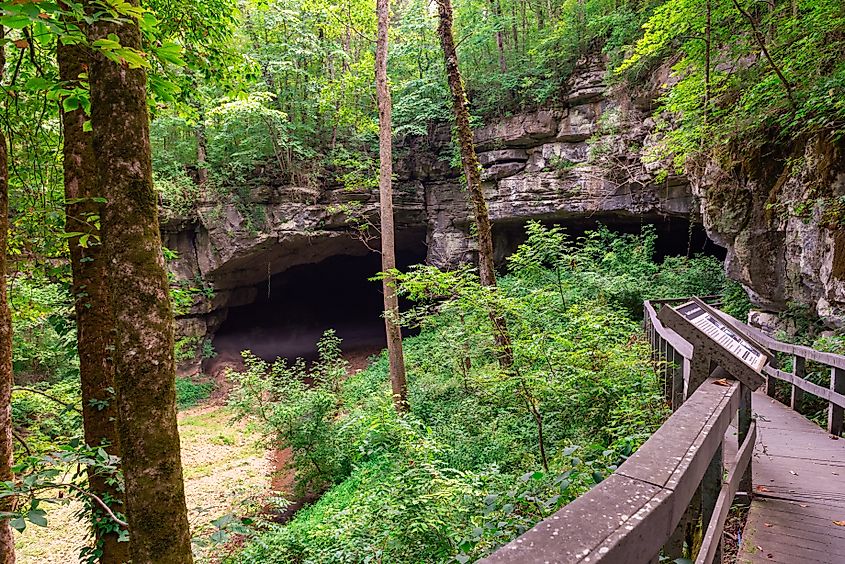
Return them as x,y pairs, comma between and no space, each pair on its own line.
48,396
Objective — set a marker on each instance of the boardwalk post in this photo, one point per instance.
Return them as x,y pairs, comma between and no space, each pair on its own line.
771,383
743,426
711,485
677,380
799,370
835,412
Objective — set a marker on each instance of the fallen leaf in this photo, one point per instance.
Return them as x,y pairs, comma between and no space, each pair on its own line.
722,382
793,473
803,505
768,525
763,489
834,438
839,523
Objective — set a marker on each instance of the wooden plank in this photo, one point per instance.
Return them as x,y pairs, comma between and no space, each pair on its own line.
745,426
677,380
631,514
798,479
799,372
687,440
675,340
580,528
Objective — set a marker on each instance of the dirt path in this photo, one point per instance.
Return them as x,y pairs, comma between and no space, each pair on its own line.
283,477
224,469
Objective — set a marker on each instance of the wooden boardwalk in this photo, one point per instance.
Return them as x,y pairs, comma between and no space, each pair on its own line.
799,488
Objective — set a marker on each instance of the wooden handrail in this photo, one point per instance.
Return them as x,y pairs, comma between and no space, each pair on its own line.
710,543
826,358
824,393
641,508
629,516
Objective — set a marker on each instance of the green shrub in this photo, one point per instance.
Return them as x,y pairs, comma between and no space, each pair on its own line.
464,472
189,393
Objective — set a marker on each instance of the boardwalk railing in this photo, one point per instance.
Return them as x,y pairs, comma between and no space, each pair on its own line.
670,497
834,394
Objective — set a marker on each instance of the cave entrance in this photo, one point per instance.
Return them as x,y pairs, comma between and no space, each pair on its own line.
294,308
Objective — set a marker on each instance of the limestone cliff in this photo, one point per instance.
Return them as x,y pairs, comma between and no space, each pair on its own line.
582,161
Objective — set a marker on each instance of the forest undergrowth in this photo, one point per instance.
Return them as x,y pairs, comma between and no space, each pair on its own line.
484,453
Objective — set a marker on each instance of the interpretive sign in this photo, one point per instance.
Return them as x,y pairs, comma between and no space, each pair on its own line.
715,340
713,326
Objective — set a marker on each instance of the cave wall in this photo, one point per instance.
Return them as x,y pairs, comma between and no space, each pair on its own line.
536,165
780,212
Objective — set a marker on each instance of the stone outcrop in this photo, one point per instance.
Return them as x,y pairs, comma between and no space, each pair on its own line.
782,219
536,165
582,161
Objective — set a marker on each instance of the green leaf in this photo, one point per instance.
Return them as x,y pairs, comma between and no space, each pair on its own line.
19,524
70,104
15,22
37,517
37,83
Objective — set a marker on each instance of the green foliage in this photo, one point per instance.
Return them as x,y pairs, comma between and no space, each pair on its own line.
43,331
44,422
748,102
463,472
298,408
189,393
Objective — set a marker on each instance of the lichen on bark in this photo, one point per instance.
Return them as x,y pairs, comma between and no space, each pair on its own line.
140,303
93,318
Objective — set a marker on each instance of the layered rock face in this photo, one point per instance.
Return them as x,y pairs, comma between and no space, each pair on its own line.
572,164
582,162
782,219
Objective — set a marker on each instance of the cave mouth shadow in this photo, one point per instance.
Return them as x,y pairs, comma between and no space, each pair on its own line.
675,236
294,308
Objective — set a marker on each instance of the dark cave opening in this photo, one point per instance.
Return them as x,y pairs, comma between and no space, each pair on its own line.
675,236
293,308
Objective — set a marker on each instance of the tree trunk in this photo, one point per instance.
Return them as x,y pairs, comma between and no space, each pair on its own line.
761,41
472,170
388,244
7,539
140,302
500,40
93,319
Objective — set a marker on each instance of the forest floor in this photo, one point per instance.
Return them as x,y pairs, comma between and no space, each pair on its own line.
226,470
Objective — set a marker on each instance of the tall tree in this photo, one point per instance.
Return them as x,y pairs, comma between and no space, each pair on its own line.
140,304
388,244
500,40
93,318
472,171
7,540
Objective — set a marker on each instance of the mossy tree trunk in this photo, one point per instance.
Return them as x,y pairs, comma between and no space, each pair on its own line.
472,171
388,243
7,540
93,318
140,304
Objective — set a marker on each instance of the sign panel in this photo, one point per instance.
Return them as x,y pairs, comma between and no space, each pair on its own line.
724,335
